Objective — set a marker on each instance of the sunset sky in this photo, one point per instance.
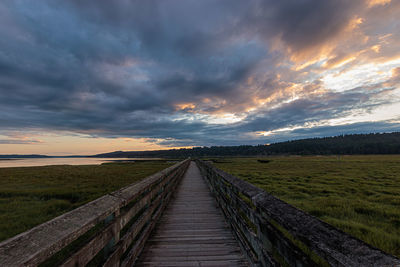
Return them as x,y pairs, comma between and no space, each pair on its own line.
84,77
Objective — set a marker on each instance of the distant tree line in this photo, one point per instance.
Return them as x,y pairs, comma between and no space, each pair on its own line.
374,143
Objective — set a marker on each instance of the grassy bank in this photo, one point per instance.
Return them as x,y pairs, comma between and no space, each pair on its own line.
32,195
358,194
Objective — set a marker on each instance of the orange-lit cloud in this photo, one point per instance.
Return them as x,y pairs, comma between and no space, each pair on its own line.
185,106
115,80
372,3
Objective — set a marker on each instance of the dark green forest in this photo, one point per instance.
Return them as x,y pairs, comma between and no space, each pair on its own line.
353,144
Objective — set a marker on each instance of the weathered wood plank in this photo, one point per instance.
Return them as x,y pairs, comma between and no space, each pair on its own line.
213,263
34,246
38,244
192,231
84,255
147,217
267,225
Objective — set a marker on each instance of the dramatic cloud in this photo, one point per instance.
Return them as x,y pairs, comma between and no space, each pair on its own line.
183,73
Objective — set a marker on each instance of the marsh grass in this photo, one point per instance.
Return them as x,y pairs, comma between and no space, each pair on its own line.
358,194
32,195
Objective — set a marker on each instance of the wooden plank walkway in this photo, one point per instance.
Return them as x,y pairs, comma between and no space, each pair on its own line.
192,231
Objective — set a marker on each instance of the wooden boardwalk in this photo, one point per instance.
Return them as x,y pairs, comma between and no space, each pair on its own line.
192,231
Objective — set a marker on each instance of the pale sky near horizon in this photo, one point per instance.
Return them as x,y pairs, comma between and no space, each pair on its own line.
86,77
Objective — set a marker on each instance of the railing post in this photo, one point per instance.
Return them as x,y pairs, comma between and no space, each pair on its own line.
112,224
109,246
272,232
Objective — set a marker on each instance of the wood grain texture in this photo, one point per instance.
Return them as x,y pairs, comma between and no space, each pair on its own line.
274,233
192,230
150,195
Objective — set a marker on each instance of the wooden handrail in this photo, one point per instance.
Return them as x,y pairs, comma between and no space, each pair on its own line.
272,232
114,227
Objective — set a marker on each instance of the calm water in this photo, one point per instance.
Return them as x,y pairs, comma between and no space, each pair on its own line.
59,161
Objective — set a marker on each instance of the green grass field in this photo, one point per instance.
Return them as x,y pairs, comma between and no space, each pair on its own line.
32,195
358,194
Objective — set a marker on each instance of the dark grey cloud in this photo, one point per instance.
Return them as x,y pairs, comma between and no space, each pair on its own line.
328,105
119,68
306,23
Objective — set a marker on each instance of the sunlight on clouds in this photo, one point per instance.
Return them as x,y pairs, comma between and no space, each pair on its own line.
354,23
385,112
291,128
277,131
185,106
337,63
389,112
376,48
306,64
227,118
218,118
372,3
323,53
278,98
362,75
251,69
311,57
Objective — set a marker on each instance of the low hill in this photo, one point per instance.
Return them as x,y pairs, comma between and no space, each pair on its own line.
374,143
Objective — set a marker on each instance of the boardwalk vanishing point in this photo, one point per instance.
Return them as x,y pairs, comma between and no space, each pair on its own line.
192,230
189,214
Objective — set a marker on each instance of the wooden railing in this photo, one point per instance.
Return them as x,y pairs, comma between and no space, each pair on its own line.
274,233
108,231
